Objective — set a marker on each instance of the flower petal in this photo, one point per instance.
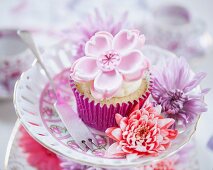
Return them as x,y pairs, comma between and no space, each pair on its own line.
107,83
172,133
158,109
123,123
161,148
177,66
118,118
133,65
84,69
114,133
205,91
115,150
165,123
140,148
195,106
132,157
98,44
194,82
141,39
125,40
181,69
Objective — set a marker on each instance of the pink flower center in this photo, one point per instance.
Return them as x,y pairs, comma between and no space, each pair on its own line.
108,61
142,131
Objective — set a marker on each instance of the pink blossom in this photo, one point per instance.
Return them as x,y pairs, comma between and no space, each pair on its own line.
111,59
144,133
37,155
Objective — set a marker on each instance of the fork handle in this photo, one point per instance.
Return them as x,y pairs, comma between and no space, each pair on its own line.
26,36
76,128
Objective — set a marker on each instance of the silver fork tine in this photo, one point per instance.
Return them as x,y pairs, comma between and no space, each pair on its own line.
89,145
87,135
81,145
93,141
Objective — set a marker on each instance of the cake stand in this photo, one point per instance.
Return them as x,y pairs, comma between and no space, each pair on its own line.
34,98
17,159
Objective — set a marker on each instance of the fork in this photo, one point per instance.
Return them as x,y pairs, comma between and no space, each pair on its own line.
76,128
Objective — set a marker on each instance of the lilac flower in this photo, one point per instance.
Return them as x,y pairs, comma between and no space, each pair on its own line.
176,89
83,31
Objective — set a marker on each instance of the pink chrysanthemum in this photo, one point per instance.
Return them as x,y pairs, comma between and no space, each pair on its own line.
37,155
144,133
176,89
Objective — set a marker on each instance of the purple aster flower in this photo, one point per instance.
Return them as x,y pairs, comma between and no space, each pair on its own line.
176,89
98,21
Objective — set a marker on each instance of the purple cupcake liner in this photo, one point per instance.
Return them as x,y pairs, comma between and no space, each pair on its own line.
101,117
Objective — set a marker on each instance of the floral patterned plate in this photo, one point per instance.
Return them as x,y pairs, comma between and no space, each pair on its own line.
33,99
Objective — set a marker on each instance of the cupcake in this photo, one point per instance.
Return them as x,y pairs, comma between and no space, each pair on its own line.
112,78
